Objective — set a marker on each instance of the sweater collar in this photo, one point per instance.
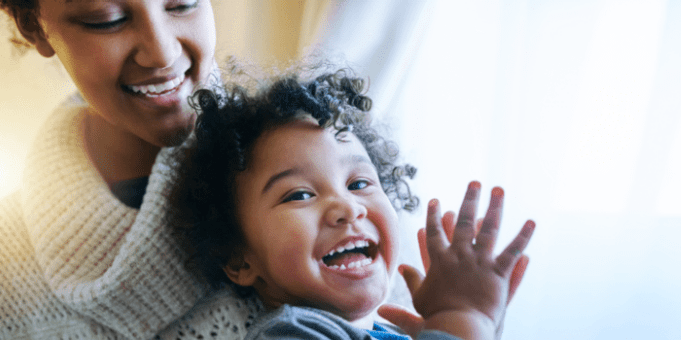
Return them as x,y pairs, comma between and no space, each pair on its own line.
99,256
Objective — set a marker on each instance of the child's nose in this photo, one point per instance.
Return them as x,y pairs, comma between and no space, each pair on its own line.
343,210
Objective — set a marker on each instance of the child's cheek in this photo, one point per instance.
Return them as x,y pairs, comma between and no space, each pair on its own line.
392,240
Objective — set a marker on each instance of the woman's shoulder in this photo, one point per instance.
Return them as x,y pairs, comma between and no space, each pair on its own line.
220,314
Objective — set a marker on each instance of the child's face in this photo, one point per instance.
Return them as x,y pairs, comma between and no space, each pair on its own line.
306,196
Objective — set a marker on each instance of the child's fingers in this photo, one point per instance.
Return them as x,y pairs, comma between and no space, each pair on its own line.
507,259
486,238
423,248
478,225
517,276
403,318
436,239
465,225
449,224
412,277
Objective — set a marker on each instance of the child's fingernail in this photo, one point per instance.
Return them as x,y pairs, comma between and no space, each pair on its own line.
529,228
497,198
432,204
474,185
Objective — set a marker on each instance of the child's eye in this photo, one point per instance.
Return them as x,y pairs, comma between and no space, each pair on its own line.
358,185
298,196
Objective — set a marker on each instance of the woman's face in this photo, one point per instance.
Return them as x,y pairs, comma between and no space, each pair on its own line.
134,61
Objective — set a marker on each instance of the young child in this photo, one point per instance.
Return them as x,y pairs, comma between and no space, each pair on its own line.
291,193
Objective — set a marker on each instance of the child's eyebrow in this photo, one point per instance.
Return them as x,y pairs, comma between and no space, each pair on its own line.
279,176
353,159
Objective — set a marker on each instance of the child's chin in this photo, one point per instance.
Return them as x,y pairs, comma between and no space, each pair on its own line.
359,309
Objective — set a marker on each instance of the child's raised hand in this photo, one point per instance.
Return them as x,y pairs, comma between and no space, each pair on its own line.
466,289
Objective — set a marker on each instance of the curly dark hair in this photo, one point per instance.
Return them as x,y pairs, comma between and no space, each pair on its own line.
229,123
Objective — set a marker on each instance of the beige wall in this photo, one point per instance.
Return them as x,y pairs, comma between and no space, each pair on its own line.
261,31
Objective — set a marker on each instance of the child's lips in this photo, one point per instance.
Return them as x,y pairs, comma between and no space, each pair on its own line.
358,273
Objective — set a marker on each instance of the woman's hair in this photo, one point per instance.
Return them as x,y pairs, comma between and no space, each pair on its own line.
14,7
18,10
230,122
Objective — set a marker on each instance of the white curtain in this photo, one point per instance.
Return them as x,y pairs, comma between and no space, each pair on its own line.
573,107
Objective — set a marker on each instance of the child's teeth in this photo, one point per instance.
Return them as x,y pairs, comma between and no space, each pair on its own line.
355,264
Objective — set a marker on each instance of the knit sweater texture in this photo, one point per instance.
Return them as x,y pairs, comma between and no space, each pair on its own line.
77,263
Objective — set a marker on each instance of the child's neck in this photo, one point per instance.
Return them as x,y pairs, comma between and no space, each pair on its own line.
366,322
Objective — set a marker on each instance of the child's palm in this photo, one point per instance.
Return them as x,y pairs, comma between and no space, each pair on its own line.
464,278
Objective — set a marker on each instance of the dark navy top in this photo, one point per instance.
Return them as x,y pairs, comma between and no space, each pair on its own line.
131,191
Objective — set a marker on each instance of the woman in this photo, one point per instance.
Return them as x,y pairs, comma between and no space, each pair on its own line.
84,251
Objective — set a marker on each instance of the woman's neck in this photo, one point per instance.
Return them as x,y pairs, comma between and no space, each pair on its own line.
117,154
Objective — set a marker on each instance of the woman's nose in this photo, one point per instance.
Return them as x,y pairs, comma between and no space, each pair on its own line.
158,45
343,210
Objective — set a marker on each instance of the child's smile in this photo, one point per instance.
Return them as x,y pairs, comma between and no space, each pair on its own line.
319,228
356,252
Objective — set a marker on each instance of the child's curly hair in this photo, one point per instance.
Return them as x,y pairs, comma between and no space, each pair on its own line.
229,123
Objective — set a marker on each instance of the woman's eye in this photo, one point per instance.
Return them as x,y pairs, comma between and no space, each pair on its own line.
298,196
182,7
105,25
358,185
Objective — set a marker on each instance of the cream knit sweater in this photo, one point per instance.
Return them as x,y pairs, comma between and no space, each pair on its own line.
77,263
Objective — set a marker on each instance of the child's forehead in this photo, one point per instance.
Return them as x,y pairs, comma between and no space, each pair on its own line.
305,137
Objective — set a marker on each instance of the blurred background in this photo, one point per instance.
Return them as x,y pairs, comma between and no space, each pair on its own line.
572,106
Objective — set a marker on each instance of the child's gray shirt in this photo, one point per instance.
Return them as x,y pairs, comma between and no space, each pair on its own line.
290,322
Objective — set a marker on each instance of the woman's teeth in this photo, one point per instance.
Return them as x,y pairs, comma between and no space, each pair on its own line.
355,264
158,89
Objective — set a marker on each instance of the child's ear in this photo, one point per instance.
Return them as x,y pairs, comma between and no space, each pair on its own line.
242,270
30,29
